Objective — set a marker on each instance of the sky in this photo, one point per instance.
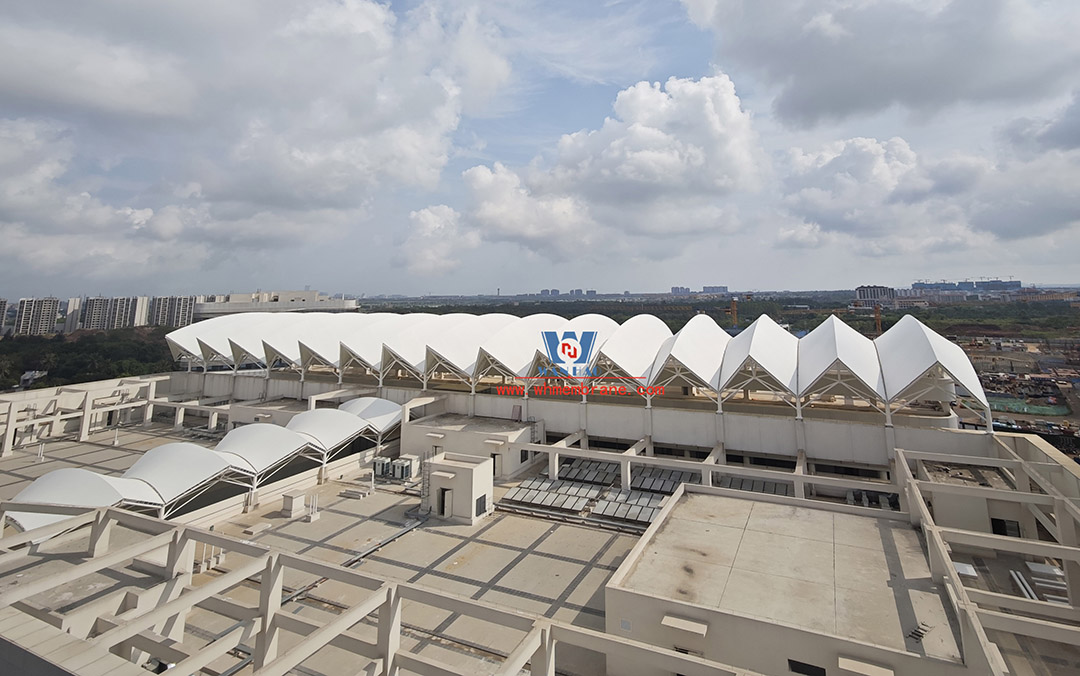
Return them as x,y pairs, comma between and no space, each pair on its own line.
454,147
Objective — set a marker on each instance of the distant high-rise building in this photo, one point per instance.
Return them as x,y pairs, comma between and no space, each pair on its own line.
115,313
125,312
554,292
545,292
680,291
590,292
37,316
577,292
3,314
714,289
172,311
875,293
73,315
95,314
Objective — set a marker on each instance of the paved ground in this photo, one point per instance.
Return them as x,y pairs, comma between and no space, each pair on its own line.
540,567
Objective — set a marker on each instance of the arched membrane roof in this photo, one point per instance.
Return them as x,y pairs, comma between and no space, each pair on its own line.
328,428
261,446
175,469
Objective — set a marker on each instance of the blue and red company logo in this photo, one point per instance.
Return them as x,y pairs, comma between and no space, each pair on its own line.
570,353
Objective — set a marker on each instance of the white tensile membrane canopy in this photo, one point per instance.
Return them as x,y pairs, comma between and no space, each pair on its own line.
381,414
910,351
905,363
255,449
630,351
174,470
408,349
511,351
694,354
457,348
327,428
77,487
366,346
763,356
836,358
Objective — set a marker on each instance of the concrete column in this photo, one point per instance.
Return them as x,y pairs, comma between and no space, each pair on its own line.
179,566
87,416
721,433
706,476
99,535
525,404
1028,526
390,631
543,660
553,466
266,642
9,435
178,421
148,412
650,450
624,466
1068,535
212,424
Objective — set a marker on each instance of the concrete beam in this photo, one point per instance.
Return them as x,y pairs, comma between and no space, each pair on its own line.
643,654
1003,543
986,493
324,635
1027,626
181,604
1023,605
29,589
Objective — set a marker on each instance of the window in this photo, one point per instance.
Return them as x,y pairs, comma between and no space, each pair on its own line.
797,667
524,456
481,505
1005,527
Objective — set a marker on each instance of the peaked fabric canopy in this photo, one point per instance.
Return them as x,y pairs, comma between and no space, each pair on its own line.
834,342
477,346
699,347
633,346
769,346
909,349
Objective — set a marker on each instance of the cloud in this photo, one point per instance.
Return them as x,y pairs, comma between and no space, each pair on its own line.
664,165
834,59
885,198
1061,132
435,239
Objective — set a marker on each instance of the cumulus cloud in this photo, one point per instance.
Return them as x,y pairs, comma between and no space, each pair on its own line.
664,164
886,198
836,58
435,239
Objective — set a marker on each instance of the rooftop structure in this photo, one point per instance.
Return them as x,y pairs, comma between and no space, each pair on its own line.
784,506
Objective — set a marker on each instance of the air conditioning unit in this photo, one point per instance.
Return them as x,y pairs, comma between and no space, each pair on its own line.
402,469
382,466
